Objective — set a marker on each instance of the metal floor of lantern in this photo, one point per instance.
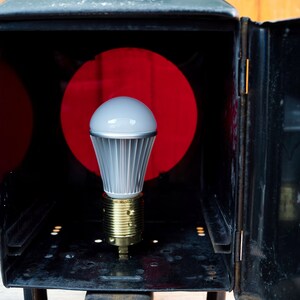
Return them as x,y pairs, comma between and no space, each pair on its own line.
172,257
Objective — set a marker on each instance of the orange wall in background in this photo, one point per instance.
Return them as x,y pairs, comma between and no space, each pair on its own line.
267,10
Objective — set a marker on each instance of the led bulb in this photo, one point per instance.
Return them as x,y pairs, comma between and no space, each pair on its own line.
123,132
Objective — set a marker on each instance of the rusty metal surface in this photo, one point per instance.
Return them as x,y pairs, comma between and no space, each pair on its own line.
15,9
119,296
171,257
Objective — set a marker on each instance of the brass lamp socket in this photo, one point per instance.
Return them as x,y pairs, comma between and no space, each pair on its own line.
123,221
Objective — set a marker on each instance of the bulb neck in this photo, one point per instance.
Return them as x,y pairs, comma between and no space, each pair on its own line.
123,222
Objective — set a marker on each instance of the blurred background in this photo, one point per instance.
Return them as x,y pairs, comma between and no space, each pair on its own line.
267,10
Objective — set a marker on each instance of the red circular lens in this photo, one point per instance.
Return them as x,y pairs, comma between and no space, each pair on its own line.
15,119
137,73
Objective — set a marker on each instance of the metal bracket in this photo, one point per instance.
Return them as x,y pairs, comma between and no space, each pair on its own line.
35,294
118,296
244,60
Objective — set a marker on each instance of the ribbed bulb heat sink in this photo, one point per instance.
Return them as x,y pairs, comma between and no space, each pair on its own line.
123,164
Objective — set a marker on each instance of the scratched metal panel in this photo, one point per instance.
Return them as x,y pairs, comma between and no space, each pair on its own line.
15,9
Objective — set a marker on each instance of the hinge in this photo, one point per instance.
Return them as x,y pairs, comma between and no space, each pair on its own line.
241,245
244,64
247,76
239,239
244,59
244,86
244,76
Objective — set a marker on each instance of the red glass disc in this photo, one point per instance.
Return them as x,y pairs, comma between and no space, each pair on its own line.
137,73
15,120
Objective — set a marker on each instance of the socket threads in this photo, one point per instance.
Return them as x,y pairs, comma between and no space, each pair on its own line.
123,221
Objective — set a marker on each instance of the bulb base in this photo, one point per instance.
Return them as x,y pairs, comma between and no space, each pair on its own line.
123,222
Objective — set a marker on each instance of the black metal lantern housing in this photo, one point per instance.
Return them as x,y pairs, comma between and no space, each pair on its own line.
224,217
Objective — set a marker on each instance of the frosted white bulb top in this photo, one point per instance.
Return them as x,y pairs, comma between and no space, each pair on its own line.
124,118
